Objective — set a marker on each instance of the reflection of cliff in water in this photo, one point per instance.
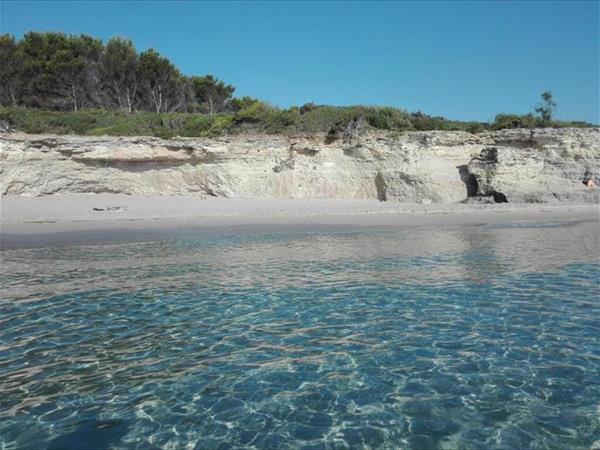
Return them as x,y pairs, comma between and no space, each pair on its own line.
270,255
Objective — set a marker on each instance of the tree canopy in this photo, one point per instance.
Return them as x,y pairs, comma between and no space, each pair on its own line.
211,94
57,71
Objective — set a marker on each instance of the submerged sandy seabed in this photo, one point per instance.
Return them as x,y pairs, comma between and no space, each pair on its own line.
81,212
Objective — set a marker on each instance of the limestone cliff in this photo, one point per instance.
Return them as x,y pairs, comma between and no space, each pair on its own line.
437,166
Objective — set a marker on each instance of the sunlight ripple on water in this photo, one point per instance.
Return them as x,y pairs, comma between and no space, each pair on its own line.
473,337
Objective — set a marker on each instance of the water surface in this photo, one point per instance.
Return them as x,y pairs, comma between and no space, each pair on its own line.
471,337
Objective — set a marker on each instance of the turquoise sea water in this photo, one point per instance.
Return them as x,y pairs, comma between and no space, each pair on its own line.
476,337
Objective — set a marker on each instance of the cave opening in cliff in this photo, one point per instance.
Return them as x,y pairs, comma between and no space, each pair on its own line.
469,180
499,197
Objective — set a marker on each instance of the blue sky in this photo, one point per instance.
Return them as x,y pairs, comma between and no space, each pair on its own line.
463,60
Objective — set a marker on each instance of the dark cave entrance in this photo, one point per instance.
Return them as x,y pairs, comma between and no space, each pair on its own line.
469,180
472,188
499,197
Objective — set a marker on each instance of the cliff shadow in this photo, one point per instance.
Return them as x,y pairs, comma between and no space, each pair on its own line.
381,187
139,166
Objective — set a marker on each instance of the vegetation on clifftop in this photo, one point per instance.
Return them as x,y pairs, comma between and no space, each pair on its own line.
335,122
57,83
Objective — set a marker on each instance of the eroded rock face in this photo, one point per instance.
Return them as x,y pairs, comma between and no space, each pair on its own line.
539,166
437,166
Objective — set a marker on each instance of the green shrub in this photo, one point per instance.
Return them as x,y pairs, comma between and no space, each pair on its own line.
237,104
322,118
281,121
163,133
206,125
197,125
307,107
502,121
255,116
389,119
254,113
572,124
476,127
424,122
41,121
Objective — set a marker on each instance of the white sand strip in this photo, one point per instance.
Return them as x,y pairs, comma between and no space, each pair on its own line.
77,212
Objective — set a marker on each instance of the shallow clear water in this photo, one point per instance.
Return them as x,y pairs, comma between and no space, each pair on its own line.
474,337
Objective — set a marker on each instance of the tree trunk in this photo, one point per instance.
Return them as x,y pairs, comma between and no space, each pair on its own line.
74,98
13,98
156,99
128,100
118,95
131,93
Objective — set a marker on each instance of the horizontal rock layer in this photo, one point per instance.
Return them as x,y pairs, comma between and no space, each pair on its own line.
437,166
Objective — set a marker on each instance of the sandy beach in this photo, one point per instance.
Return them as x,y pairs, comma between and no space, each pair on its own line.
40,218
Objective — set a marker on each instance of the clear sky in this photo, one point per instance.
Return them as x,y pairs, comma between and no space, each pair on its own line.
463,60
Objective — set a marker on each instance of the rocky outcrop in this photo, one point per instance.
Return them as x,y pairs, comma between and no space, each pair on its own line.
542,165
